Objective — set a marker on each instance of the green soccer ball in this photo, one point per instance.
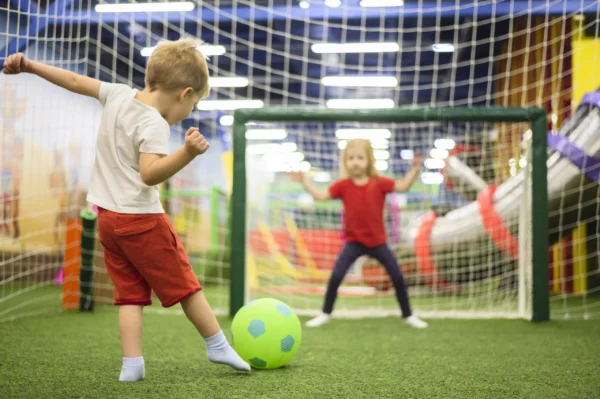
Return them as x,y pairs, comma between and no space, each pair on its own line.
266,333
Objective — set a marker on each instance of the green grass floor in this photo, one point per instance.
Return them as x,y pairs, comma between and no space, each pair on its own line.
75,355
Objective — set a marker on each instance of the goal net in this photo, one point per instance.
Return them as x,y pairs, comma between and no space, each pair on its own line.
318,54
460,254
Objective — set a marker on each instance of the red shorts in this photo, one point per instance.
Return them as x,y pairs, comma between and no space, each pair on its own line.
142,254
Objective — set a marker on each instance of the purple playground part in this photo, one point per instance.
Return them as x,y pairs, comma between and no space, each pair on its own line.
592,98
60,276
587,163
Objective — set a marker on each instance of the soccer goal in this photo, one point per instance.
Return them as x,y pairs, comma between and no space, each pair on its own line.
485,258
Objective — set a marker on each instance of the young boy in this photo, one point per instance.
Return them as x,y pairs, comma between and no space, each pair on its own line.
142,251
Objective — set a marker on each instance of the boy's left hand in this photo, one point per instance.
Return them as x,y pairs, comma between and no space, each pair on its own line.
16,64
195,143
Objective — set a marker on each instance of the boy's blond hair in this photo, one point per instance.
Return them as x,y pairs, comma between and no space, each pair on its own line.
177,65
366,146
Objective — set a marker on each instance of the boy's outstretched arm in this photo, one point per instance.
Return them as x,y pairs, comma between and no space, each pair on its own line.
18,63
155,169
405,184
317,193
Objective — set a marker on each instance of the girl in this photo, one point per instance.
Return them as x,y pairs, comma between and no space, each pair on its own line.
363,192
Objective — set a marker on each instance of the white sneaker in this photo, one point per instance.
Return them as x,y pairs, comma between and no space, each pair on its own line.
415,322
318,321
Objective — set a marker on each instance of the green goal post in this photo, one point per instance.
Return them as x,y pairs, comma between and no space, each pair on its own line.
537,117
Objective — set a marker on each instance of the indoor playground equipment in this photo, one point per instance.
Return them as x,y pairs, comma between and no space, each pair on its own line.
573,168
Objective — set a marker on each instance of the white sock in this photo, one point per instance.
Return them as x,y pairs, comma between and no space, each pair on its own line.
414,321
318,321
219,351
133,369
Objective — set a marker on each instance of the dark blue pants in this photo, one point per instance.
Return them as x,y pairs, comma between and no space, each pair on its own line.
384,255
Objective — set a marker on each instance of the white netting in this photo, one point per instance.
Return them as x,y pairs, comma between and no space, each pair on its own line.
294,241
282,53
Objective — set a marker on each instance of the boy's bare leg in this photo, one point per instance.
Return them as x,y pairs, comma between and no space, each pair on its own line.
199,312
130,326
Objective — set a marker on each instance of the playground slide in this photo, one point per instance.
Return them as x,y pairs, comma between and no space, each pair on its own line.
572,192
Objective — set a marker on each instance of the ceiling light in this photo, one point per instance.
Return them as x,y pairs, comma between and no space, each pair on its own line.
432,178
382,3
206,49
381,165
434,163
226,120
233,81
444,144
369,47
333,3
360,81
407,154
443,48
371,134
228,105
146,7
438,153
266,134
362,103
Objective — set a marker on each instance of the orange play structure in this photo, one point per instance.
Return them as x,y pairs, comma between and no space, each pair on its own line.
307,255
70,298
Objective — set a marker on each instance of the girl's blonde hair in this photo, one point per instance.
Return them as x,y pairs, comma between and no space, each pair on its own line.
365,145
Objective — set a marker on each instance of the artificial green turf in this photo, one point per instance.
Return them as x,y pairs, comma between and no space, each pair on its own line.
75,355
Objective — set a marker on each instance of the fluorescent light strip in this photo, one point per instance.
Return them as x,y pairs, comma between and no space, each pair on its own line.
286,157
369,47
382,3
362,103
333,3
381,165
228,105
444,144
271,148
443,48
266,134
146,7
381,154
233,81
322,177
380,144
438,153
275,167
432,178
360,81
206,49
407,154
226,120
377,144
370,134
434,163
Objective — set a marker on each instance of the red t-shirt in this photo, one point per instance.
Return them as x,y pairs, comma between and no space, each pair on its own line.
363,209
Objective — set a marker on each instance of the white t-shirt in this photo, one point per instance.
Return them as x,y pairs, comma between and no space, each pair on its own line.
127,127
